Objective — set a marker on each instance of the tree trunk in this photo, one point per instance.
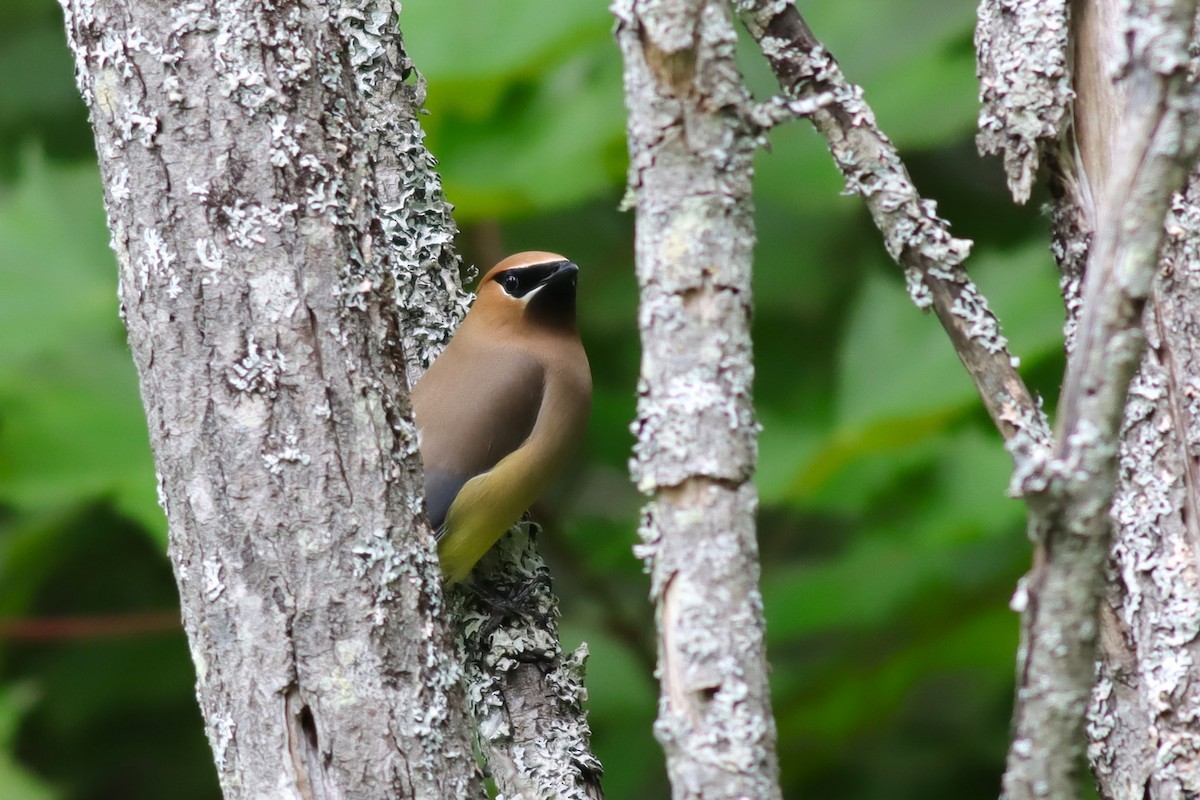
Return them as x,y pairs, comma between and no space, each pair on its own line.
269,198
1130,145
690,147
1144,722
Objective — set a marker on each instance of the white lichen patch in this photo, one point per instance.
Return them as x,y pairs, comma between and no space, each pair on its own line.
666,453
160,494
212,261
247,223
214,585
221,731
238,42
982,325
918,292
526,696
155,264
118,188
1153,553
1025,89
288,453
258,371
384,564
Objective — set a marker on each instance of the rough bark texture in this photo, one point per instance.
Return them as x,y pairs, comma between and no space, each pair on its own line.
1144,720
526,695
690,145
1024,83
261,244
1118,172
914,235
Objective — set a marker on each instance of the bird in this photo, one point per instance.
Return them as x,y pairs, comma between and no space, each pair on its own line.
504,407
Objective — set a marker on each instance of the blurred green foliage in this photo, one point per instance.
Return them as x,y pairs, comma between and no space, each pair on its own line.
889,547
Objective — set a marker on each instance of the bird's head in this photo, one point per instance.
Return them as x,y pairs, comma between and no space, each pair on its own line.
532,288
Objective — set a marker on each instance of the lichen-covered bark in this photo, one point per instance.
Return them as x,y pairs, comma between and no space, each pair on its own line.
1024,84
261,243
690,145
413,226
1144,723
526,695
1130,150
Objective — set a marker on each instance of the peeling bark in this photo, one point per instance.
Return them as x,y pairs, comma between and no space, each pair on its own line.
691,140
1024,84
262,240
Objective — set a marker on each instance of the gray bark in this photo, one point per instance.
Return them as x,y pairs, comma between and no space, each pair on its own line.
1143,721
262,238
690,144
1120,166
1131,147
1024,84
525,694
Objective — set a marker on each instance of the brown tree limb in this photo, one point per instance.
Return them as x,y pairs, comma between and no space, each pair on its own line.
914,235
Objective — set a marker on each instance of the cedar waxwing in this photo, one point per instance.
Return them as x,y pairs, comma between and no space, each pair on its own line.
503,407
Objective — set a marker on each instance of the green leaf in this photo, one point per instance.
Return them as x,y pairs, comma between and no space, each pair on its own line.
71,425
847,694
897,362
935,518
15,781
45,67
470,40
552,141
524,100
1022,286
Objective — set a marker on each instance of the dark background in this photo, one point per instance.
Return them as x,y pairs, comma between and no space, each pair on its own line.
889,546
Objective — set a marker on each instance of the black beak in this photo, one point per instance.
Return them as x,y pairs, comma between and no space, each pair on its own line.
566,271
554,304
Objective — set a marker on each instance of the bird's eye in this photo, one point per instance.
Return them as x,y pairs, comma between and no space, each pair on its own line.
510,282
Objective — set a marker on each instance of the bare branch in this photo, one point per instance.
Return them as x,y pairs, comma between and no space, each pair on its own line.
1023,83
914,235
690,146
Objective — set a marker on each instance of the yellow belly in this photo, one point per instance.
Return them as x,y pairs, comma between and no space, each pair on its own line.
485,508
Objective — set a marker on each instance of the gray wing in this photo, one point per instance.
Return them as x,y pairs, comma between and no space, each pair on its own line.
473,410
